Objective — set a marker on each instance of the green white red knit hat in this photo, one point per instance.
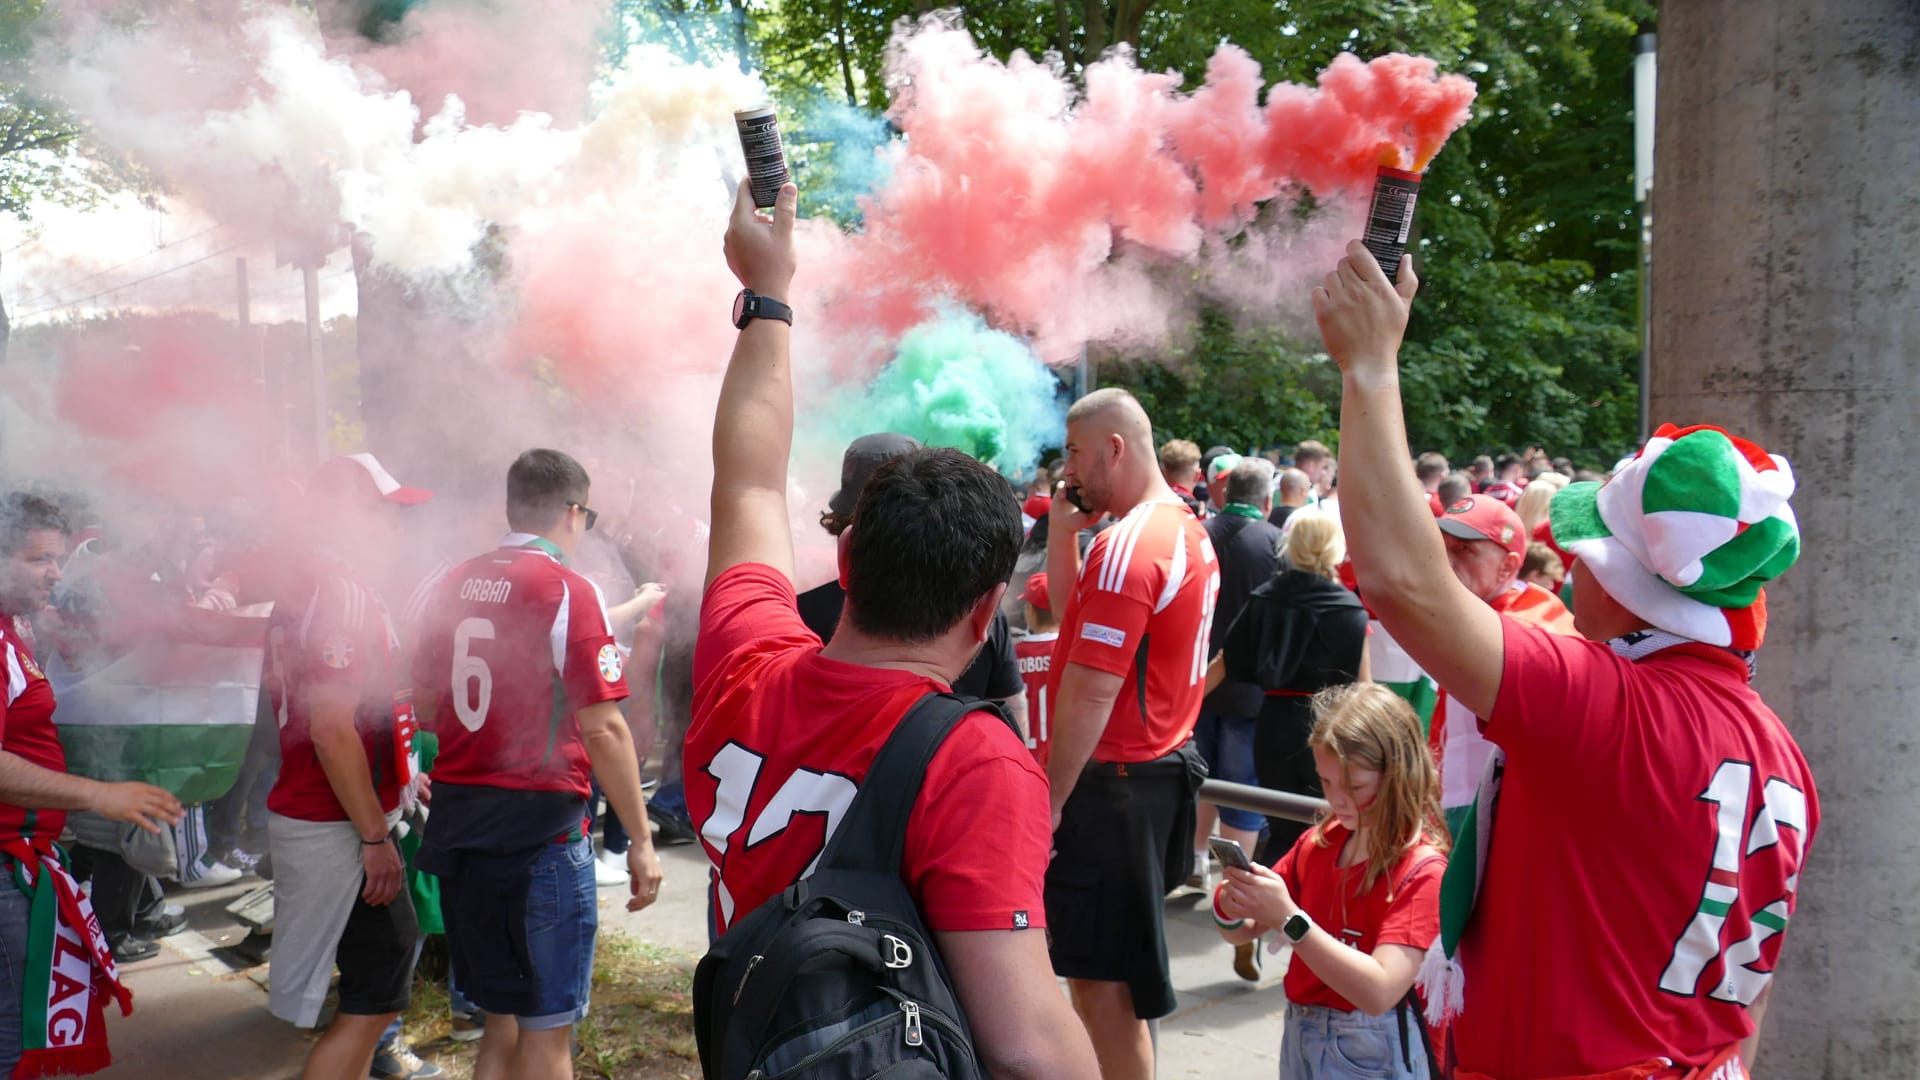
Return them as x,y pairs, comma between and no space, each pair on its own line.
1685,534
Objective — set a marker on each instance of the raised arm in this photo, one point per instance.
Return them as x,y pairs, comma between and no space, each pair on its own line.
1397,553
753,426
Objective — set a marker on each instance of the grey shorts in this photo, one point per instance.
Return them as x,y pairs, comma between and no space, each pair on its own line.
320,922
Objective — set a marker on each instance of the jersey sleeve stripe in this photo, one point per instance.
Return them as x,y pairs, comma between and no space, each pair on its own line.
1176,573
557,634
16,676
1116,539
600,605
1125,561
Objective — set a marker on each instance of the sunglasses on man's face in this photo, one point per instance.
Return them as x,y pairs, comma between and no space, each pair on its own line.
592,514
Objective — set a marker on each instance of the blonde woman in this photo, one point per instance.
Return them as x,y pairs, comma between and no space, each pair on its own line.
1534,498
1301,632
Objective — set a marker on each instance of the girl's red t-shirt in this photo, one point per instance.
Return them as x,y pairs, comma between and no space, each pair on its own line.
1402,908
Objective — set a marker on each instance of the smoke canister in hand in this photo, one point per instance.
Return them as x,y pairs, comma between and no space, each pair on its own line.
1390,219
766,157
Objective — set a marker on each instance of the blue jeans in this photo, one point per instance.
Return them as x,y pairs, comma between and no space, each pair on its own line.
1226,743
1327,1044
14,907
563,913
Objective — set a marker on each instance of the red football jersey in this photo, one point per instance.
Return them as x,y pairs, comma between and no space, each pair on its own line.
782,737
1402,908
1141,609
330,630
1653,822
513,645
1034,656
26,728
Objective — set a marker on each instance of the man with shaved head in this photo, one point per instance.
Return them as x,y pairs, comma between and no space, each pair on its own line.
1126,682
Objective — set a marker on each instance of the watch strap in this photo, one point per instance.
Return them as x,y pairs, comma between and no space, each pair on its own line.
756,306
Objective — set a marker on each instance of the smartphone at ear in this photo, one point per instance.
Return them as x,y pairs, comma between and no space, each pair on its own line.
1229,852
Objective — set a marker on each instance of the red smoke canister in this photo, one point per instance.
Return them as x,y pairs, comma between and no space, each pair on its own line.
1390,219
766,156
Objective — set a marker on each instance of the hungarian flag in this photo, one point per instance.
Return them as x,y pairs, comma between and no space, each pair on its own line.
1395,670
174,710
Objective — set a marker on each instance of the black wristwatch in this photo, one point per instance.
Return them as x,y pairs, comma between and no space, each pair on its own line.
1296,926
750,305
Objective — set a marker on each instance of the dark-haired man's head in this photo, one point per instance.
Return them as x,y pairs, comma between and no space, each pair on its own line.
1454,487
1430,468
1507,468
931,546
1481,470
547,496
34,532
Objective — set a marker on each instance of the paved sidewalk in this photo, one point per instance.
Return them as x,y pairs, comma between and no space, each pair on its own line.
195,1018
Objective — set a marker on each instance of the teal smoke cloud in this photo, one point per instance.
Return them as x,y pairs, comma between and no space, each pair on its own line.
957,382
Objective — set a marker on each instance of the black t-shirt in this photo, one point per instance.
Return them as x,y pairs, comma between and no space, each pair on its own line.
1248,549
993,676
1278,518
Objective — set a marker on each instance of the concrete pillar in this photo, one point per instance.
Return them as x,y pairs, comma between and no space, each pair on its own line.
1786,307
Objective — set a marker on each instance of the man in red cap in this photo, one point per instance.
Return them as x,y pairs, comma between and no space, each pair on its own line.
1485,547
346,724
1616,903
1033,654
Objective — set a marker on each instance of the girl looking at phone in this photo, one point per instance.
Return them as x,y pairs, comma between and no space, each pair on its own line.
1358,895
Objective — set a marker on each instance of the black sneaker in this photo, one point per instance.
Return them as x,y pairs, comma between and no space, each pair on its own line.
128,949
165,924
397,1061
670,829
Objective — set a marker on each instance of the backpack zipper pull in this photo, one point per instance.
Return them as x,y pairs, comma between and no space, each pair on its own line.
914,1036
752,962
857,918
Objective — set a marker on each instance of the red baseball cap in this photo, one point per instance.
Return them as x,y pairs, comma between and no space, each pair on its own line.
1036,593
1485,517
1037,506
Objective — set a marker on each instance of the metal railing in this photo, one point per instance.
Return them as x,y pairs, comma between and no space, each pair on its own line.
1259,800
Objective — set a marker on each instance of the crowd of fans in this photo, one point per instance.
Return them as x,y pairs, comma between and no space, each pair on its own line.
429,750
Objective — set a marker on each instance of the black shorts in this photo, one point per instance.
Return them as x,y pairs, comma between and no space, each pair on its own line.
1284,762
1107,884
376,956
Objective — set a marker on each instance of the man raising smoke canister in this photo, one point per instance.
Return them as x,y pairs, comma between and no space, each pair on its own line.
1645,727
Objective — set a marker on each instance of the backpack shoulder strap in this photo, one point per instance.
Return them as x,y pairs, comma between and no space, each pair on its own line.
873,835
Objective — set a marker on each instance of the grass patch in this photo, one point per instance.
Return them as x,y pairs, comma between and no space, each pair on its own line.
640,1026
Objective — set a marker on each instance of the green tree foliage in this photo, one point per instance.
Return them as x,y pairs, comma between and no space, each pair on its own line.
1525,328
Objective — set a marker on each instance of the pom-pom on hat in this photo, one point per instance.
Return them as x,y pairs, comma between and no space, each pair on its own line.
1687,532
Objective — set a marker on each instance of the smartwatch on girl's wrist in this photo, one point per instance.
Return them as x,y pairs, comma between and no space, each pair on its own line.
1296,926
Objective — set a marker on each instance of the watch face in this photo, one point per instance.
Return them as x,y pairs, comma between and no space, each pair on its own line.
740,306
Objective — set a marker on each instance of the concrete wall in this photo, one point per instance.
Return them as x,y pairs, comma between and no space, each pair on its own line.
1786,306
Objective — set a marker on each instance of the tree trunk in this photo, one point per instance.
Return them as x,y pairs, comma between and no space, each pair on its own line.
1096,12
740,35
1786,305
1128,16
6,330
841,46
1063,31
675,15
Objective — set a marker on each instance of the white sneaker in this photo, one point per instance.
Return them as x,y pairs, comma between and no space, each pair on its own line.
610,869
214,876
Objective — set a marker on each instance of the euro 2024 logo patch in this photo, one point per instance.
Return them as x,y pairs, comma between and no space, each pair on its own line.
611,663
337,652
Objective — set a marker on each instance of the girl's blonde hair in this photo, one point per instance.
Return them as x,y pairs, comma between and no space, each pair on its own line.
1371,727
1315,544
1535,497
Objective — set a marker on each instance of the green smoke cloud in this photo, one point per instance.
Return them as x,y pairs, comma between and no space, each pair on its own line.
956,382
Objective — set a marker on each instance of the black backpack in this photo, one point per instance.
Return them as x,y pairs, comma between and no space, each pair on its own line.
837,977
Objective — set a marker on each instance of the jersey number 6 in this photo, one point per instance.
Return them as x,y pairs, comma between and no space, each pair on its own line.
472,679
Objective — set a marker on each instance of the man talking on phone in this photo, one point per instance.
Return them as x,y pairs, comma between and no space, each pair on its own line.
1128,674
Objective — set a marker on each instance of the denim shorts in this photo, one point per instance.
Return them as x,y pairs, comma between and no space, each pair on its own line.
1226,742
1327,1044
14,908
562,914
